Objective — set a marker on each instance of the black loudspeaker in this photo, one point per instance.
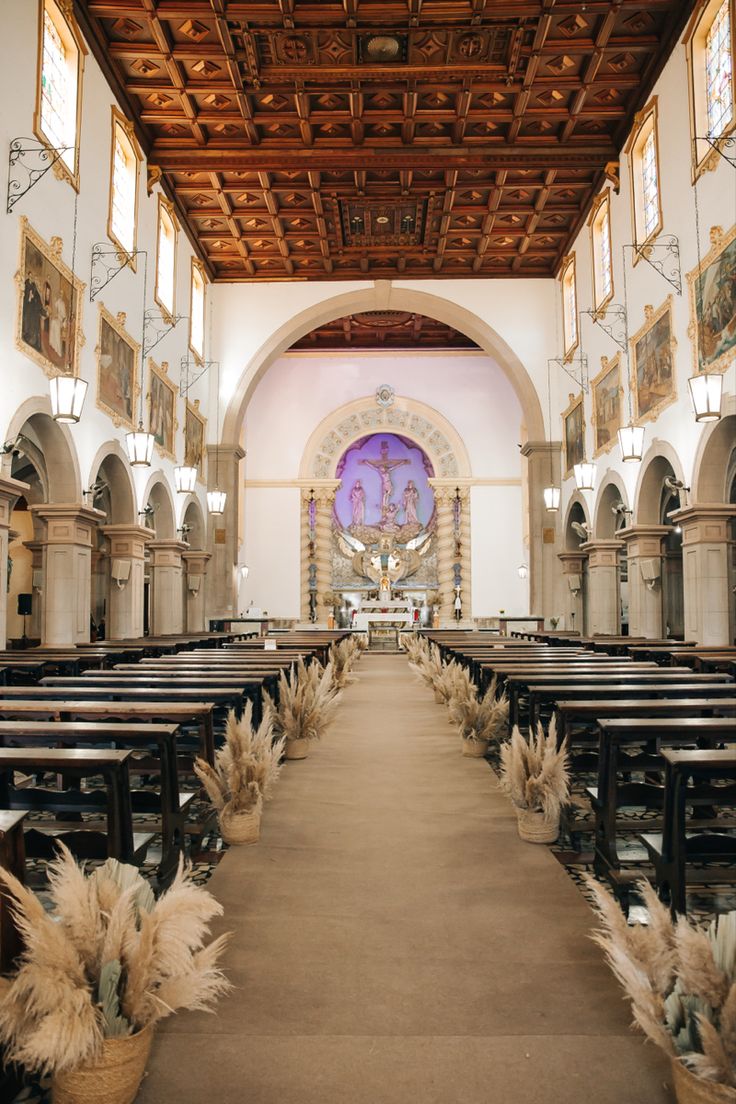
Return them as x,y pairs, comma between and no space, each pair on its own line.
25,605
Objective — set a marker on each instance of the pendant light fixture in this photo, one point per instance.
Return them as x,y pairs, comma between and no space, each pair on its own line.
185,478
216,499
551,493
67,393
631,436
139,442
706,388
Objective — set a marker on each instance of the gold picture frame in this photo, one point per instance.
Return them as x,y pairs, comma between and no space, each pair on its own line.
194,438
573,433
710,278
48,326
161,400
652,352
607,405
117,354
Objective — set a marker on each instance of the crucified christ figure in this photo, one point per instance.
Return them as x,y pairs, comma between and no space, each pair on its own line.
384,467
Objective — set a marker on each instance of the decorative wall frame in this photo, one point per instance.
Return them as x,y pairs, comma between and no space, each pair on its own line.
194,437
161,397
573,433
49,316
607,405
118,354
711,279
652,357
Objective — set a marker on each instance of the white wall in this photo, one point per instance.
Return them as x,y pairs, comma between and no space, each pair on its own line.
497,551
271,551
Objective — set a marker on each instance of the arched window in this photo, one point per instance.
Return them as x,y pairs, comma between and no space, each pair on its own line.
166,257
569,306
600,240
59,92
643,150
123,215
197,310
711,71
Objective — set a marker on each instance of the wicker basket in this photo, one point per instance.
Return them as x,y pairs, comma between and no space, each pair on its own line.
690,1089
296,749
241,827
113,1079
535,828
475,749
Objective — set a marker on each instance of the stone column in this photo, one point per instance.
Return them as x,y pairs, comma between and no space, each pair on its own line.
196,572
324,495
603,596
444,498
307,554
127,556
167,595
67,565
644,556
705,548
548,595
224,530
573,564
36,548
10,490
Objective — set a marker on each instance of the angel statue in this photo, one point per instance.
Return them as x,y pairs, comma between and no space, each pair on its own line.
357,500
410,503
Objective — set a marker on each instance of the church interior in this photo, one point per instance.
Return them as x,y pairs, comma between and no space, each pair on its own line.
368,532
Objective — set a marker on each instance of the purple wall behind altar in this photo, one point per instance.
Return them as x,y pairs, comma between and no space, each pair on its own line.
349,469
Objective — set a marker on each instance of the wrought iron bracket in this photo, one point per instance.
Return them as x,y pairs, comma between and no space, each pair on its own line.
186,384
28,162
613,322
106,263
725,146
664,257
156,326
566,365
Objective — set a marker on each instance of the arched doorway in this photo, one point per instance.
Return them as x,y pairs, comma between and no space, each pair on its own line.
608,561
162,587
196,558
110,491
656,569
575,566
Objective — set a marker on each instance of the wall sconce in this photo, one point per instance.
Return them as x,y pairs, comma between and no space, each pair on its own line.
523,571
243,572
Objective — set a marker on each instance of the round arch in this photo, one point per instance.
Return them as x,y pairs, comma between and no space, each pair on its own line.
110,467
193,516
577,510
52,447
660,461
611,492
711,468
158,495
415,420
384,296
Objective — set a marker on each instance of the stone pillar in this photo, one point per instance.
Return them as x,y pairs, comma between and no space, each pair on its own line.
10,490
167,595
324,495
548,593
223,473
705,548
36,548
67,566
603,597
573,564
444,498
644,556
196,572
127,557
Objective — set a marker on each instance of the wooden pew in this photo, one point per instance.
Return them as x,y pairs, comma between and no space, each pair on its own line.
576,718
675,848
12,858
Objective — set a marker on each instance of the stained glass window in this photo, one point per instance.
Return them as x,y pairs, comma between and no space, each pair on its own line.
58,99
196,314
650,183
569,306
123,190
719,71
165,259
602,262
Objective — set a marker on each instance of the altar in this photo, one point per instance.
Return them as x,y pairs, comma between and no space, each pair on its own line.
383,613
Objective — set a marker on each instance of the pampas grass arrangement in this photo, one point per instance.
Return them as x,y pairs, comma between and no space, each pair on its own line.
244,774
681,981
535,775
342,657
103,966
479,720
308,700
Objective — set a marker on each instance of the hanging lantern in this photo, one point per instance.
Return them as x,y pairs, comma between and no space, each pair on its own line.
552,499
706,391
185,478
631,442
216,501
584,475
140,447
67,398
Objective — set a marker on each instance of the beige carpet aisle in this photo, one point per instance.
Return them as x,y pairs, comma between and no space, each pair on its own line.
395,941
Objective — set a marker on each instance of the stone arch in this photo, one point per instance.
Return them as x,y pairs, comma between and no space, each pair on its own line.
712,471
577,510
384,296
117,499
660,461
158,495
612,491
415,420
51,449
193,516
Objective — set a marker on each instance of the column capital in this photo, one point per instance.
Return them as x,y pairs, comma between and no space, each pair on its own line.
10,490
572,562
167,552
540,448
704,522
644,540
602,553
196,561
68,523
128,540
229,452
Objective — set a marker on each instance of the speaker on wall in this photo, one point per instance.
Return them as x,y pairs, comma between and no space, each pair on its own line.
25,605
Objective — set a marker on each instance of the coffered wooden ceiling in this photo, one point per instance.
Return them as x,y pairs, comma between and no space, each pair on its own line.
400,138
384,330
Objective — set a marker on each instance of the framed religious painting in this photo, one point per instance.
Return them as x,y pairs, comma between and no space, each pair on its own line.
161,408
573,433
713,304
607,393
194,425
653,363
117,375
48,327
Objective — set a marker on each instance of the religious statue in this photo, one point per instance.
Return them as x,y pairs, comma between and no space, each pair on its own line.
384,589
410,503
384,467
388,523
357,500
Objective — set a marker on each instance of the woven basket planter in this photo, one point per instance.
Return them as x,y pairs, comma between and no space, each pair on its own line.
113,1079
296,749
243,827
474,749
690,1089
535,828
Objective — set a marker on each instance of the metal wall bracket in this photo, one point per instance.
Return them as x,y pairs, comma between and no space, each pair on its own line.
106,263
186,384
28,162
725,146
156,326
612,321
567,365
664,257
